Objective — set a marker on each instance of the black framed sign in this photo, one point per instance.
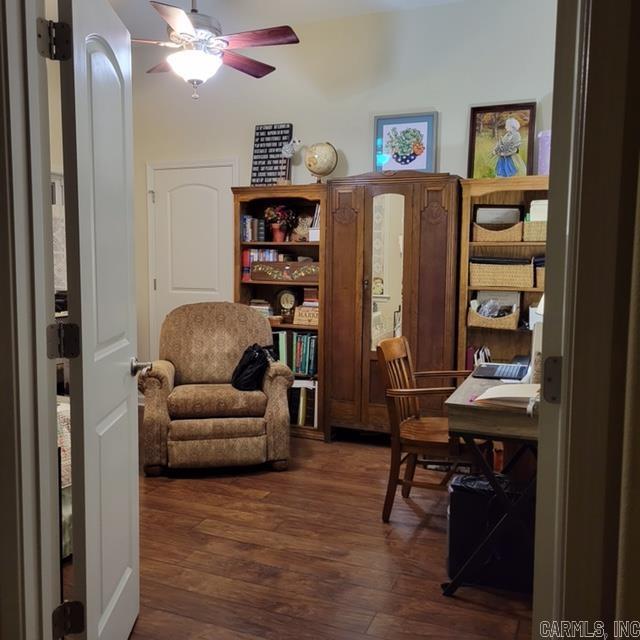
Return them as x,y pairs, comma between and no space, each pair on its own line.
269,165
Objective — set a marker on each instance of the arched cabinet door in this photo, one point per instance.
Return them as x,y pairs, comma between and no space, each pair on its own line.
388,232
343,306
434,279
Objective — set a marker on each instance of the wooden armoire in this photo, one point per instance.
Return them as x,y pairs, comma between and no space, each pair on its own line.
379,224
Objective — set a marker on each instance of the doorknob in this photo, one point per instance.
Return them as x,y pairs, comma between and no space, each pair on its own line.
365,284
136,366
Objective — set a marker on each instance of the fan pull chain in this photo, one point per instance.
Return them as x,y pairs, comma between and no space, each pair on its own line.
194,6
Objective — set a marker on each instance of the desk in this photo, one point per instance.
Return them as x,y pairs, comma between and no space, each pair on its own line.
471,421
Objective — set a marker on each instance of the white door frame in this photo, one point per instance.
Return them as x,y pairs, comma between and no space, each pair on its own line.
29,563
152,167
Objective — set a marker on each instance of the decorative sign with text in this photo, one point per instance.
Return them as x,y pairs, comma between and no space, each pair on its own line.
269,165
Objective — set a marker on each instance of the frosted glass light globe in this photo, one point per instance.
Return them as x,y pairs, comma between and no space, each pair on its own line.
194,65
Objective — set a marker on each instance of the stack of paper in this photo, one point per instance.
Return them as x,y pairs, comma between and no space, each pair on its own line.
509,395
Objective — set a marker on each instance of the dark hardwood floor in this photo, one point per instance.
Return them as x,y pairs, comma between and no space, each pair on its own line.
303,555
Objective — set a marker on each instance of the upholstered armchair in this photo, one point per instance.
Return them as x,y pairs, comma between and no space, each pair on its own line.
193,417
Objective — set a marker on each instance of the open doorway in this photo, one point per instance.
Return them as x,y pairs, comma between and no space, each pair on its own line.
303,543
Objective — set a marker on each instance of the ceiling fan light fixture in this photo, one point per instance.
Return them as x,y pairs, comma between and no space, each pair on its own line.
194,65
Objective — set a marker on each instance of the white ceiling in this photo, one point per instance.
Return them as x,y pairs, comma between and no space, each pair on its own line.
239,15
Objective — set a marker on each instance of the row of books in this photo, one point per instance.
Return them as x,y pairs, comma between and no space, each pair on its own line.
303,406
252,229
249,256
300,354
476,356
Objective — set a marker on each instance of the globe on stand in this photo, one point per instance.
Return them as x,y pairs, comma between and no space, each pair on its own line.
321,159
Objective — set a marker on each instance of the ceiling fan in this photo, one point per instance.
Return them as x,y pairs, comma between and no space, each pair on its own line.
203,49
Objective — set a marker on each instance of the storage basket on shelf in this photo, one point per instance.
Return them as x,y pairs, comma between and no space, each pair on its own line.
510,322
534,231
488,274
497,232
540,277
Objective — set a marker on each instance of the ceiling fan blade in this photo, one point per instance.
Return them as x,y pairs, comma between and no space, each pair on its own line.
160,43
260,38
175,17
250,66
160,68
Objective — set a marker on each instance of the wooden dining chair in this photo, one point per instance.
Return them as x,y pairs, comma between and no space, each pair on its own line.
413,435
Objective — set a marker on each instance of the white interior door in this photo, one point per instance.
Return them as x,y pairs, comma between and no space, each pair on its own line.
98,168
190,238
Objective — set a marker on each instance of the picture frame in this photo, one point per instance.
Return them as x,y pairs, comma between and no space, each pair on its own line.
496,150
405,142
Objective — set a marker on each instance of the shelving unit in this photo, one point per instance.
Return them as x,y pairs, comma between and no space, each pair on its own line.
520,191
253,201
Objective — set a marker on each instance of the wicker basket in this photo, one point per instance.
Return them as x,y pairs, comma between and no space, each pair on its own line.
535,231
540,277
508,323
516,276
497,232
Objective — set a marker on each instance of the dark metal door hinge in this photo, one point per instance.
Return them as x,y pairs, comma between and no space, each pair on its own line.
552,379
67,618
54,39
63,340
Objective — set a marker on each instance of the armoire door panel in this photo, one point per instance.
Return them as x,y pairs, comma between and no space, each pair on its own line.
437,240
344,302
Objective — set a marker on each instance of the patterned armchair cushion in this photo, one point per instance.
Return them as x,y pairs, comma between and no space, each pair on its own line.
205,341
216,429
215,401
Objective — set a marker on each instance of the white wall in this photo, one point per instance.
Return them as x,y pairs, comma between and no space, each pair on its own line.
444,58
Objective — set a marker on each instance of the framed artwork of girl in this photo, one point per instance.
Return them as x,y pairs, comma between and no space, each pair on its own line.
501,140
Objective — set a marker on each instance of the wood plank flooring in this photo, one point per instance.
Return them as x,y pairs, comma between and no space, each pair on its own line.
303,555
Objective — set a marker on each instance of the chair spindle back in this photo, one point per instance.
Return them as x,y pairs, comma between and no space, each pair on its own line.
397,371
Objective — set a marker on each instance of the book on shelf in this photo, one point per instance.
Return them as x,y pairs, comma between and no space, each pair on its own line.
481,356
302,407
303,404
310,297
246,265
252,229
315,222
280,346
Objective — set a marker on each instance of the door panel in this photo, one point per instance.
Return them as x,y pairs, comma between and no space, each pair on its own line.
97,136
192,239
435,237
344,313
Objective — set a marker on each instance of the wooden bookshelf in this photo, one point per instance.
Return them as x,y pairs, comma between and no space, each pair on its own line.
252,201
520,191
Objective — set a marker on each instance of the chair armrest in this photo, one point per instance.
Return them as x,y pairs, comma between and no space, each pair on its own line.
277,380
413,393
442,374
274,370
163,371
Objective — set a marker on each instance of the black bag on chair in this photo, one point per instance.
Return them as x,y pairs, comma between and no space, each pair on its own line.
248,374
